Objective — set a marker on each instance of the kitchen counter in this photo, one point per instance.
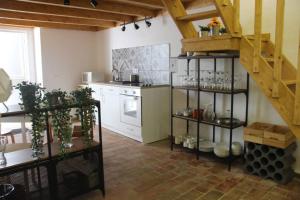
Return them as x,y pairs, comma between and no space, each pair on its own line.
140,85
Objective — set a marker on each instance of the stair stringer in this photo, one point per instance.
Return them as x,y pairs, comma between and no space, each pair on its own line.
285,103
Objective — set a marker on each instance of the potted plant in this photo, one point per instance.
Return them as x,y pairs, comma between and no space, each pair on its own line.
204,30
223,31
83,96
31,97
60,118
214,26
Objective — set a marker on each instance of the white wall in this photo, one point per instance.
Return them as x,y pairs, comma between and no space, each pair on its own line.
65,55
163,30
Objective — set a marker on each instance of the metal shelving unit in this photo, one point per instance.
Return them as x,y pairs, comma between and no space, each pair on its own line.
232,92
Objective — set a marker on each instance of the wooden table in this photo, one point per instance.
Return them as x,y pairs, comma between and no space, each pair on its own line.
21,160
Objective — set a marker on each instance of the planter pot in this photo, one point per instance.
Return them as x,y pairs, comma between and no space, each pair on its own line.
29,97
204,33
215,30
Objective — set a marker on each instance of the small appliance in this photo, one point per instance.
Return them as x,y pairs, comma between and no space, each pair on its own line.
90,77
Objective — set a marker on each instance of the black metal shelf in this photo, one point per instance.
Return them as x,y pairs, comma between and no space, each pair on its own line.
197,89
235,91
234,126
210,155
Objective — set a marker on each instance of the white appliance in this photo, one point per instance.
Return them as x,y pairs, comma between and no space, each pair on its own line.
131,106
90,77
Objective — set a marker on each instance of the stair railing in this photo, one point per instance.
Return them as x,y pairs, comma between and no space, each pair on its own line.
257,35
236,18
278,47
297,95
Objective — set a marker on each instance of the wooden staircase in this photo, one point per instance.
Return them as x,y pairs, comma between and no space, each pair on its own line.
274,74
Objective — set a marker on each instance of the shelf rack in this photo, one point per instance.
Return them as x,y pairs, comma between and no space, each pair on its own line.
21,160
232,92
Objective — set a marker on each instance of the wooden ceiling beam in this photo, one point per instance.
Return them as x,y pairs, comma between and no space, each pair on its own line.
4,14
61,11
193,4
112,7
24,23
155,4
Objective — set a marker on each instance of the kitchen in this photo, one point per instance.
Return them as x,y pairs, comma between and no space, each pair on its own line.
146,167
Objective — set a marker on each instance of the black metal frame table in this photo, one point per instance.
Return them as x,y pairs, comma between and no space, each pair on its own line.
21,160
232,92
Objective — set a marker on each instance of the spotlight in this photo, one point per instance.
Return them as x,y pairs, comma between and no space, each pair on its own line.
94,3
123,27
148,23
136,26
66,2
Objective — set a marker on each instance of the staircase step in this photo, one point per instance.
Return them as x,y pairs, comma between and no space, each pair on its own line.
290,82
199,16
265,37
269,59
224,42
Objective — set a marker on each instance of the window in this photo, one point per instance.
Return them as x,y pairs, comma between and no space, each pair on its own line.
17,57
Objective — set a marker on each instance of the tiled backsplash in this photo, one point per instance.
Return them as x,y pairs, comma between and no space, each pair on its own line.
150,62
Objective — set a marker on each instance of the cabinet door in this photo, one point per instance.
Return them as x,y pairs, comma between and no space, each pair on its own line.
111,110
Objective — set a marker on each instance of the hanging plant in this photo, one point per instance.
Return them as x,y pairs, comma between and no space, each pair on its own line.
83,97
31,97
60,118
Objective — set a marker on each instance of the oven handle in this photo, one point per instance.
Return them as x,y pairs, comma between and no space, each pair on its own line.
127,95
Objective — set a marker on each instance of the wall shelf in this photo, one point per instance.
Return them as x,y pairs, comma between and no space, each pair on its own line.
197,89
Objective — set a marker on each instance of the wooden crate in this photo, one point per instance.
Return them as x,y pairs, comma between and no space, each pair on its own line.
278,136
257,129
253,138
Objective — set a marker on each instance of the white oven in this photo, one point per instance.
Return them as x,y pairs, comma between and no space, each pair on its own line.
131,106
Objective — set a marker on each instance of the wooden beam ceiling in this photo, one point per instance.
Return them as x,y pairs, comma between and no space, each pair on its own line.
61,11
58,19
80,15
13,22
106,6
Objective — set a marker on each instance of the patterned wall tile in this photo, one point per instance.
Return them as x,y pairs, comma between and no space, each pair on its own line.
152,62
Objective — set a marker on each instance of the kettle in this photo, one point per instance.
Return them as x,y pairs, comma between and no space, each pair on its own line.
134,78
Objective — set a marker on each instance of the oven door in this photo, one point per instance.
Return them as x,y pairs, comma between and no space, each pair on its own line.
131,110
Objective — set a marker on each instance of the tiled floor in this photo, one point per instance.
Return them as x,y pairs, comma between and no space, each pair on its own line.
134,171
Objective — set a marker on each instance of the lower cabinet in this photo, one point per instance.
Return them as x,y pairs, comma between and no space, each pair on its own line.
152,111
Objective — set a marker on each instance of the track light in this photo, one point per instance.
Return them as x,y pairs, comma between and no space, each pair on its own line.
136,26
148,23
123,27
66,2
94,3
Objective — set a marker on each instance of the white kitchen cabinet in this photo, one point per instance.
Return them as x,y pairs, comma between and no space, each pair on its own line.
139,113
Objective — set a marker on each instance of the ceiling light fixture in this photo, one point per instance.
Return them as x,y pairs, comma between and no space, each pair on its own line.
123,27
136,26
66,2
148,23
94,3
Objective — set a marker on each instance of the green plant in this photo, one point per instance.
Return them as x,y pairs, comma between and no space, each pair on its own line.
204,28
60,118
31,97
223,30
83,96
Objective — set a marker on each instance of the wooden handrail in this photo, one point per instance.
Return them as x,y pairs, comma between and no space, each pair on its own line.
236,19
297,95
257,35
278,47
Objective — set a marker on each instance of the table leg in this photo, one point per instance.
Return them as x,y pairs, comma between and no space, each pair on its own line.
52,180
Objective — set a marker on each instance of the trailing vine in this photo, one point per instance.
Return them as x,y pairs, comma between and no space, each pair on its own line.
83,96
60,118
31,96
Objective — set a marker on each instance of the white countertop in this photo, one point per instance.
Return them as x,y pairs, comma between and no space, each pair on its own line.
127,85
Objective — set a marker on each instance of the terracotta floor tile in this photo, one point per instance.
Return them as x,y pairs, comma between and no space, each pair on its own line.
134,171
212,195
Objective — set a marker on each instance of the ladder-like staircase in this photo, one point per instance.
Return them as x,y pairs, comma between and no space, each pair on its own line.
273,72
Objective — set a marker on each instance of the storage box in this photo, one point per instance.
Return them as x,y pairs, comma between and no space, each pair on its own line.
278,136
257,129
253,138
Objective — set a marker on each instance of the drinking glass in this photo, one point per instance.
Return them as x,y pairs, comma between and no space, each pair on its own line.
202,79
3,142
